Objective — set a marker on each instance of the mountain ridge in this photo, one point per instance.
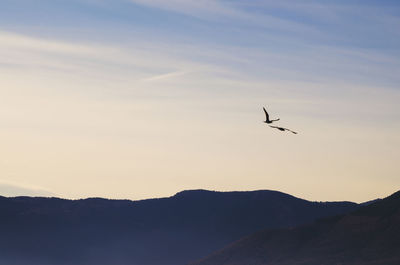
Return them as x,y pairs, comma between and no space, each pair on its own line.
183,193
161,231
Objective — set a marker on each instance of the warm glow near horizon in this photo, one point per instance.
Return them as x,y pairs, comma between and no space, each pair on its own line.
140,99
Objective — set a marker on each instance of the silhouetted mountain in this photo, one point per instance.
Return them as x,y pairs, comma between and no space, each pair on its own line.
370,236
167,231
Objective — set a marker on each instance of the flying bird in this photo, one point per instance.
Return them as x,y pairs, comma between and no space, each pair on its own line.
267,120
283,129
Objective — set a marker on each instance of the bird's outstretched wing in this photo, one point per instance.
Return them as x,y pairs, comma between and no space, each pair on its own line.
266,114
283,129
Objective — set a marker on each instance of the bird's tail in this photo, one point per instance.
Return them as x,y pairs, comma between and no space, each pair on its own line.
275,120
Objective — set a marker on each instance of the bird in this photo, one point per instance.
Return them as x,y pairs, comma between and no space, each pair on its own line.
267,120
283,129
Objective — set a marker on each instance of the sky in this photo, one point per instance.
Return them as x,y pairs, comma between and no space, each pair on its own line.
138,99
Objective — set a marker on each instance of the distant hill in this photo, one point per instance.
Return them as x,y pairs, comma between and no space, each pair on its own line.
167,231
369,236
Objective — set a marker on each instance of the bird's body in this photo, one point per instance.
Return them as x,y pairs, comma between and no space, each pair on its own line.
283,129
267,120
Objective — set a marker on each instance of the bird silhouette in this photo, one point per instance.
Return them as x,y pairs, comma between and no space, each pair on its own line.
283,129
267,120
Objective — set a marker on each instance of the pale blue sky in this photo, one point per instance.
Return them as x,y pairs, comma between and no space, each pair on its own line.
143,98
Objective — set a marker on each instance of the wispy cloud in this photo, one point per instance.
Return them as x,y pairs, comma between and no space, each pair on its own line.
217,10
164,76
10,40
10,189
87,58
201,8
297,21
167,61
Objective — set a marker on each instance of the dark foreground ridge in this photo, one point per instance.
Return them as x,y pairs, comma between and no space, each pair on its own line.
369,236
167,231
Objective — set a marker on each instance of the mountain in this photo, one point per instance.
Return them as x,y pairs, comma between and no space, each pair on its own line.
369,235
166,231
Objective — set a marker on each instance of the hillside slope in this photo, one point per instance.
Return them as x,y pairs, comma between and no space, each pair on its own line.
370,236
